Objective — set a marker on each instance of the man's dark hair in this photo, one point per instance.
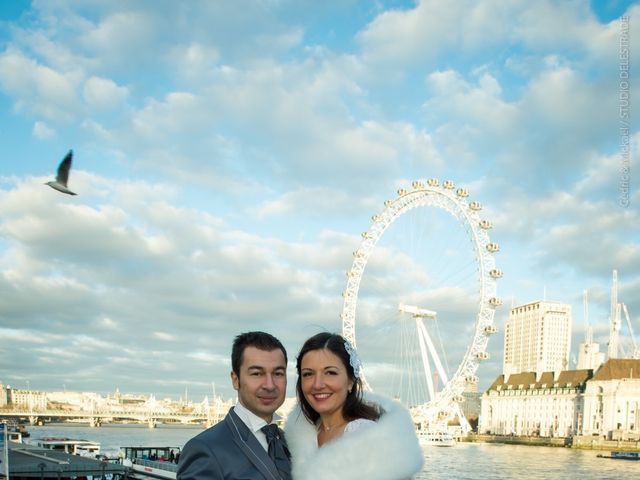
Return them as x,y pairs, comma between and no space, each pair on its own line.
259,340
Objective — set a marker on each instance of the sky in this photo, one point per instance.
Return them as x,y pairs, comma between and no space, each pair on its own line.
228,156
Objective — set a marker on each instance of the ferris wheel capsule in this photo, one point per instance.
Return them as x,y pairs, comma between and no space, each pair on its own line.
402,192
493,247
417,185
376,218
388,203
490,329
448,184
433,182
475,206
495,273
485,224
471,379
482,355
495,302
462,192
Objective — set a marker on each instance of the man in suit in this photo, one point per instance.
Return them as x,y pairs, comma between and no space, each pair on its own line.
237,448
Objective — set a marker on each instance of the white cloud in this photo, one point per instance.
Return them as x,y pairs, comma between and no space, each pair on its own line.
37,88
123,36
460,100
108,323
210,358
103,93
164,336
431,29
196,63
42,131
313,202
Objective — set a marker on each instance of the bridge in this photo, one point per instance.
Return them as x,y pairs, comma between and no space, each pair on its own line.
96,417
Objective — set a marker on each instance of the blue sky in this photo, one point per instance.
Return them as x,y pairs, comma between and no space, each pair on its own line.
228,155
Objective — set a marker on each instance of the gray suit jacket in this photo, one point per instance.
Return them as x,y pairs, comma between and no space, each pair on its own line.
226,451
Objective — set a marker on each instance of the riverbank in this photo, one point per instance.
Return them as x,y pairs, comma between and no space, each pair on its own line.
578,442
464,461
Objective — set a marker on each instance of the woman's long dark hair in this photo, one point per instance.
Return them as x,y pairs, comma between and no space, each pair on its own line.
354,406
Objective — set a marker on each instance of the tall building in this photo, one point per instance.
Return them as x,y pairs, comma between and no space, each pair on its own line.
589,355
537,338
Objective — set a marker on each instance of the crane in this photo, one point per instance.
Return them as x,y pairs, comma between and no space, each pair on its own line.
636,351
614,319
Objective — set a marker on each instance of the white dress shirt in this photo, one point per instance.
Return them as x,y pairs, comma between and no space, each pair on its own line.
254,423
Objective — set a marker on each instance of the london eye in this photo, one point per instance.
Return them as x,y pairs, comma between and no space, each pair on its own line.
420,299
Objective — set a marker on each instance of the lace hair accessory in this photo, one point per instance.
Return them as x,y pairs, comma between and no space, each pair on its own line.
355,362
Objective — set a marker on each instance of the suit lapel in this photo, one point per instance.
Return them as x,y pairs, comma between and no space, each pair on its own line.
250,446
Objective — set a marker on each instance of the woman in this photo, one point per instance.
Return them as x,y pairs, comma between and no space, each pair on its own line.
336,434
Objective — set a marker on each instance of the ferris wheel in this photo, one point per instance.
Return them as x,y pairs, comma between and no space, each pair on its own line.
427,301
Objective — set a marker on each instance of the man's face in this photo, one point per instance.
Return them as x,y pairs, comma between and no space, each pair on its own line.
262,383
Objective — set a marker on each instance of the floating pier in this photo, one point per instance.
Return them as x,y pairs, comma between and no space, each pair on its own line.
27,461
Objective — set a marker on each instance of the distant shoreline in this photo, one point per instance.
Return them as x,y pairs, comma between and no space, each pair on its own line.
578,442
582,442
120,425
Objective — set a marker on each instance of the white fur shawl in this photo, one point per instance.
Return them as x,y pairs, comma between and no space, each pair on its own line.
388,450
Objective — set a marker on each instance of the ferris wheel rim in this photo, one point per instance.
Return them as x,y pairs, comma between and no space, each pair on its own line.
444,196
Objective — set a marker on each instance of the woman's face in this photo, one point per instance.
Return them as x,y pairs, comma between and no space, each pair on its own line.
324,381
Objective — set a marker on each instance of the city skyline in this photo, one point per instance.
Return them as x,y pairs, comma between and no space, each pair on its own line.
228,157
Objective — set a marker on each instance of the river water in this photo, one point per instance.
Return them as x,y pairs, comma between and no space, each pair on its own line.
464,461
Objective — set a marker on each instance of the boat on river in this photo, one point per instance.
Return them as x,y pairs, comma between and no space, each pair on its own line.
84,448
151,462
619,455
18,428
439,438
14,436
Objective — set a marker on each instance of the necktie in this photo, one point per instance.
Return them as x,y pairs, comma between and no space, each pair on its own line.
278,450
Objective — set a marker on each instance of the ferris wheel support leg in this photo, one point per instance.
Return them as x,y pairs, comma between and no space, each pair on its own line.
464,423
433,351
425,361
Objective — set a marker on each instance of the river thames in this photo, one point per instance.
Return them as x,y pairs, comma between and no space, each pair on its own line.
464,461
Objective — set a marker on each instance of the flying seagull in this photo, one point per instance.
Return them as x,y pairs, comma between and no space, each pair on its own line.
60,183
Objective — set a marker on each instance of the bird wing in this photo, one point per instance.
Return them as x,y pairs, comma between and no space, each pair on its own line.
63,169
